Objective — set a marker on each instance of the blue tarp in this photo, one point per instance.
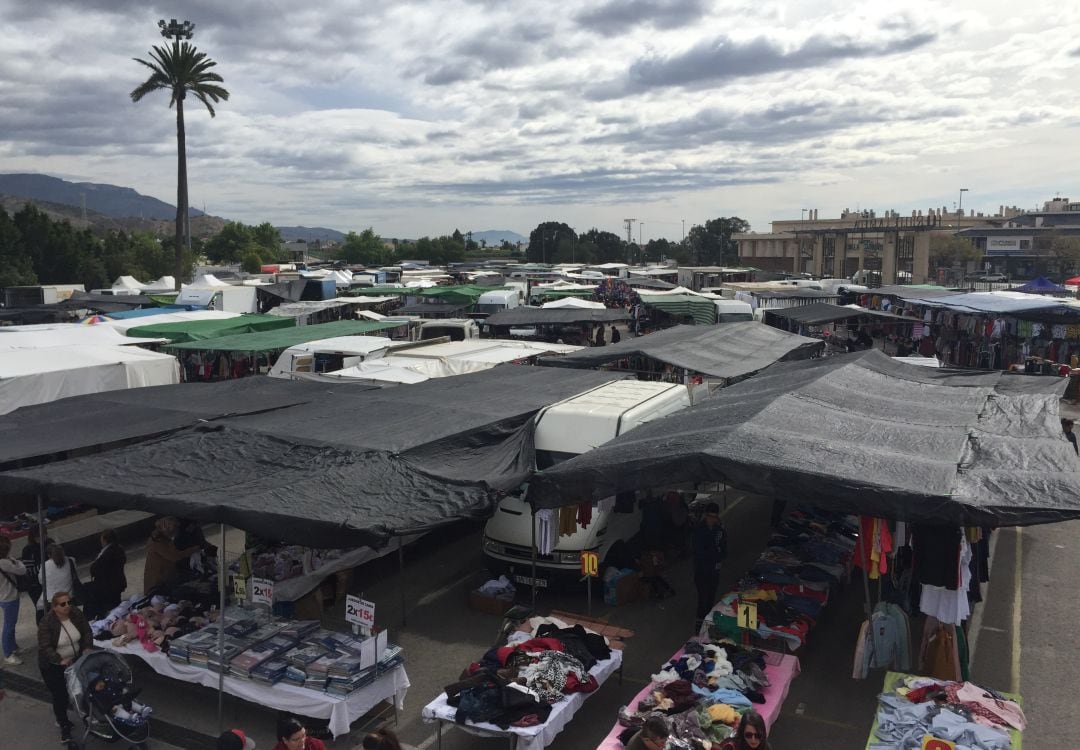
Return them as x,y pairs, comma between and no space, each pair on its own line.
147,311
1041,285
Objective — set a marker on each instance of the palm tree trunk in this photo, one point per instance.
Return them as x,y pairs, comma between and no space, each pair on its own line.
181,191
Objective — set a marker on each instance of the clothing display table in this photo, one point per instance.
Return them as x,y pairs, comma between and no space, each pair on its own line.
894,680
780,676
341,711
526,738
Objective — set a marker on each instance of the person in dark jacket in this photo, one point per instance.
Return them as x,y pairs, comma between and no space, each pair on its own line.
710,549
1067,428
31,558
63,635
616,337
107,576
599,340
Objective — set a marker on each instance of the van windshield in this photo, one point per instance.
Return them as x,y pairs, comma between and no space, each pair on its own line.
733,317
456,333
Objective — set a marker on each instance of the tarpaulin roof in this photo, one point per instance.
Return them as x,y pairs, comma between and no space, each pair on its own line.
1004,302
910,291
729,350
283,338
65,334
531,316
376,291
350,469
701,309
460,294
105,302
1040,285
822,312
290,291
197,330
444,309
859,433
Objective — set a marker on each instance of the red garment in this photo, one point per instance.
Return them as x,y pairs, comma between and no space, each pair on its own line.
875,541
918,695
310,743
573,685
532,645
584,515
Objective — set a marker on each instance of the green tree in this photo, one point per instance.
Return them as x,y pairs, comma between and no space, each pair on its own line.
1065,251
948,250
180,70
15,266
712,244
365,248
268,238
596,246
551,242
252,261
230,244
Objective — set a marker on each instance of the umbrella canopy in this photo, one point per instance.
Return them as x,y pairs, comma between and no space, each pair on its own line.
1041,285
858,433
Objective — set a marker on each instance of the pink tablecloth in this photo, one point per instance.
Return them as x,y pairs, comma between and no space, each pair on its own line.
780,674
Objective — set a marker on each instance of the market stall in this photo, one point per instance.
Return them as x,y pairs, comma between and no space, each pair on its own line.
560,666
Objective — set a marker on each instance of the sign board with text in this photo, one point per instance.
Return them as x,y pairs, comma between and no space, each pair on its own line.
590,564
239,588
747,616
360,612
262,591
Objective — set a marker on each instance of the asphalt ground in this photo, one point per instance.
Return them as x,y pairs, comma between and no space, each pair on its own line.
1021,637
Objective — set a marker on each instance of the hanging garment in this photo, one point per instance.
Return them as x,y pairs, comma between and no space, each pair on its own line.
875,543
567,520
937,555
584,515
547,533
941,659
950,605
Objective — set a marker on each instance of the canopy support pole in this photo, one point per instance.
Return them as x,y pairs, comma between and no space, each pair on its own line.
401,578
866,588
221,632
532,511
41,550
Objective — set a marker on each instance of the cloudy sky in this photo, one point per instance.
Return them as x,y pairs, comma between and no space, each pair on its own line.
416,117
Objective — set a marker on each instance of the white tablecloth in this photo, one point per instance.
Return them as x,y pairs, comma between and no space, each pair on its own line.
291,589
530,738
340,711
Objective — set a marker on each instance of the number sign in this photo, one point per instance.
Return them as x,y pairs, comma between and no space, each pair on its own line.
590,564
747,617
262,591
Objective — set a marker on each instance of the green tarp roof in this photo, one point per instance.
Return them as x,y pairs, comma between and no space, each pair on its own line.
700,309
283,338
197,330
462,294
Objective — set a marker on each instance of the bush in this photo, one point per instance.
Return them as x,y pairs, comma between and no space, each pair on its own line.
251,262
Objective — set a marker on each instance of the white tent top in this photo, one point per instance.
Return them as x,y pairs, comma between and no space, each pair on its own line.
679,290
610,266
128,282
37,376
562,285
206,281
14,338
374,370
575,302
164,284
485,350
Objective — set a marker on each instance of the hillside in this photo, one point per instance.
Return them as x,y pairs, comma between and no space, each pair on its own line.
310,234
110,200
496,236
202,226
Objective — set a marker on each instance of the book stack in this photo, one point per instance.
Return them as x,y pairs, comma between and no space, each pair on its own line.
300,629
348,674
391,657
317,672
243,663
270,672
216,659
294,676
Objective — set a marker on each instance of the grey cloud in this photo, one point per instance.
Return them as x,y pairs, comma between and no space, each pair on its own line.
724,58
452,72
1075,52
611,18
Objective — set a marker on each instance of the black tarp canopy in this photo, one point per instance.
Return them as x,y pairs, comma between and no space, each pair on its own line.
349,469
728,350
533,316
820,313
858,433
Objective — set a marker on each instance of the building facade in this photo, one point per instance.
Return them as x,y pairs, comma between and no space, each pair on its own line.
1032,243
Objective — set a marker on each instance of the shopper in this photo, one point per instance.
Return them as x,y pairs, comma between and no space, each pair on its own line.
162,555
616,337
59,573
599,340
652,735
10,572
292,735
710,549
749,735
31,558
64,633
107,577
381,739
235,739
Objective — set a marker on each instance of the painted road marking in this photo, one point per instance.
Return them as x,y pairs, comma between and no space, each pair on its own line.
1017,602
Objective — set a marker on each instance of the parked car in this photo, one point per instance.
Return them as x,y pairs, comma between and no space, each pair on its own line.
993,277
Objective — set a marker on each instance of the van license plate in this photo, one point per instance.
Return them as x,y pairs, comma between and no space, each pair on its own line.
541,583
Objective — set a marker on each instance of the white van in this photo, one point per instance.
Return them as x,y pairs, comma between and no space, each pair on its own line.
495,301
733,311
456,329
564,430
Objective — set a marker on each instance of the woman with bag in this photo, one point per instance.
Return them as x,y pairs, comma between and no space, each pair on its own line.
107,577
10,572
63,635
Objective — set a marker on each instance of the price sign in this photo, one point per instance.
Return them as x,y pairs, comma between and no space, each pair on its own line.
360,612
590,564
262,591
933,743
747,616
239,588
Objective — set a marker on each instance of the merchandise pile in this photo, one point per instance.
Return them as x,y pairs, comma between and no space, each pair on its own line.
702,692
516,685
808,555
911,708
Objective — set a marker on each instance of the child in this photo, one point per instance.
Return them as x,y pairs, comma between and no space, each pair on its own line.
111,698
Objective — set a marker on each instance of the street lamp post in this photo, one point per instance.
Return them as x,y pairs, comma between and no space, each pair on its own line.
641,247
960,205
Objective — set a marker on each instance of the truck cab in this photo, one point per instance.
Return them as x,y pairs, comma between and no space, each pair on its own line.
455,329
564,430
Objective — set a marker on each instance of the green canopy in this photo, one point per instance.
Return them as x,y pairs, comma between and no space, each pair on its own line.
560,293
196,330
282,339
700,309
460,294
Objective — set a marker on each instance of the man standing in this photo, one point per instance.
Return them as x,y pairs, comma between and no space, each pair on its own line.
1067,428
710,550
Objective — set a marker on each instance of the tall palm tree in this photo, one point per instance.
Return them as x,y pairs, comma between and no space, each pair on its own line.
181,69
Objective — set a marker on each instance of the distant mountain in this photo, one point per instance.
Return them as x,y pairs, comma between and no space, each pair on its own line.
310,234
110,200
496,236
100,224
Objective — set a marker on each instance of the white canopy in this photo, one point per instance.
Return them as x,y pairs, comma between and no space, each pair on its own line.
123,324
164,284
37,376
575,302
129,283
206,281
13,338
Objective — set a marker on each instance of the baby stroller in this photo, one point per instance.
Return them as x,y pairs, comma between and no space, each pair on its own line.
90,667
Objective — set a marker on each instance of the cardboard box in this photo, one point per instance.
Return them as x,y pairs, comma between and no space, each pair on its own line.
489,604
628,589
